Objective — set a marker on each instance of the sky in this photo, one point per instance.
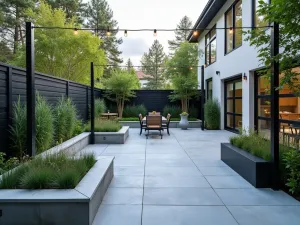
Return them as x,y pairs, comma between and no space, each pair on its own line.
152,14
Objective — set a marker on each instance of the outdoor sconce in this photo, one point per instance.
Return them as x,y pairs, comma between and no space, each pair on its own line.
218,73
245,77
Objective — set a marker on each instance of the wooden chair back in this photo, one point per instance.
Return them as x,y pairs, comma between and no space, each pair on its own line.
152,114
154,121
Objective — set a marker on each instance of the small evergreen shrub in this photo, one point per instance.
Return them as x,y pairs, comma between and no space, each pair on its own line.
104,126
100,107
134,110
212,114
175,111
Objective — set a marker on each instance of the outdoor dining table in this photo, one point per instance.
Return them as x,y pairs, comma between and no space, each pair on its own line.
109,114
164,119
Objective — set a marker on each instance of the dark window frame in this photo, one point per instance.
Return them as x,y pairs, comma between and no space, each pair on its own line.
234,80
232,7
207,88
208,45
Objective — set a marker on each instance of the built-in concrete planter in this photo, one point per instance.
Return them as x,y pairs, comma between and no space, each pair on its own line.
112,137
173,124
71,146
58,207
255,170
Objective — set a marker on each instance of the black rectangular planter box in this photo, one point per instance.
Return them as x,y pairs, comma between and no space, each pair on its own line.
255,170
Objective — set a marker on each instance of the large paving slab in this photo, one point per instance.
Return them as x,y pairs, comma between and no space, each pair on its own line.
180,179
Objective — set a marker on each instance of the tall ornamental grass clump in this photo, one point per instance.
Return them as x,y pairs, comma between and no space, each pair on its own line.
50,172
65,115
44,126
100,107
212,114
134,110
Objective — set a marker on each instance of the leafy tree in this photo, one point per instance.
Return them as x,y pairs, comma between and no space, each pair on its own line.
180,34
183,75
152,64
286,14
7,53
61,52
129,64
13,14
119,88
100,16
72,8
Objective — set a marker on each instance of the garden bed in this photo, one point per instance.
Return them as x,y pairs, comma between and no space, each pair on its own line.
118,137
173,124
255,170
76,206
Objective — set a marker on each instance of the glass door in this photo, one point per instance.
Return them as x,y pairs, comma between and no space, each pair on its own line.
233,105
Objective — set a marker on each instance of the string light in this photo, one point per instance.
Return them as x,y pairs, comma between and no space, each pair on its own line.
75,31
108,33
125,33
155,33
195,33
174,67
191,68
230,30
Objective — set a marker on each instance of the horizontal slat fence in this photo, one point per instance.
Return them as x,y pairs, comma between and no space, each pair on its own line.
13,86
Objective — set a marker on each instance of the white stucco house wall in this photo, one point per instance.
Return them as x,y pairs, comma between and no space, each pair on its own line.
239,64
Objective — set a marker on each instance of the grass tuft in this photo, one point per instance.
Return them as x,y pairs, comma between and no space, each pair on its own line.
104,126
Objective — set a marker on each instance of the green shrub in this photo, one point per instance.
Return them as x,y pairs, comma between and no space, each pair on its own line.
104,126
212,114
65,115
175,111
100,107
53,171
193,112
291,160
78,128
18,129
6,165
44,125
134,111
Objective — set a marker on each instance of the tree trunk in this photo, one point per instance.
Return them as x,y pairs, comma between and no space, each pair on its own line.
16,36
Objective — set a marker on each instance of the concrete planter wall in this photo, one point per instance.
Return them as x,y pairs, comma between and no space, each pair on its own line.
58,207
255,170
112,137
173,124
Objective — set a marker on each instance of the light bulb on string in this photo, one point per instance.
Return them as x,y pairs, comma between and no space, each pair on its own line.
125,33
230,30
108,33
155,33
191,68
75,31
195,33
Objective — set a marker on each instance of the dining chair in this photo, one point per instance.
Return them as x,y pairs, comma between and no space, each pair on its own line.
154,123
142,125
166,125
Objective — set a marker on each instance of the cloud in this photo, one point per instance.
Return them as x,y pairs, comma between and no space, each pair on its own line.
133,47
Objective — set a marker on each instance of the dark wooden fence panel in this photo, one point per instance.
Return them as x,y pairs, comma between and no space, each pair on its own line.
13,87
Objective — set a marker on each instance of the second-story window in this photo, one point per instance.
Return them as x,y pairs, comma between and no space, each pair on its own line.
233,22
259,21
210,46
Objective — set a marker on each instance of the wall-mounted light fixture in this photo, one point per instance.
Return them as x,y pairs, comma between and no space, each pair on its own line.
218,73
245,76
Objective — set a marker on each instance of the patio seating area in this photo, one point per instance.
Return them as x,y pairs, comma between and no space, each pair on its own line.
181,180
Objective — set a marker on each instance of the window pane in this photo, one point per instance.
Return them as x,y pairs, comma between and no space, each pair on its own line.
289,108
238,106
238,23
259,20
230,105
207,55
238,122
212,33
229,34
207,39
239,89
264,107
213,49
229,90
229,121
264,128
263,85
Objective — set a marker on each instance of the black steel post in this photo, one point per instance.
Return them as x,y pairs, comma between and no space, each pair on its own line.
9,96
202,97
30,89
275,105
67,89
92,105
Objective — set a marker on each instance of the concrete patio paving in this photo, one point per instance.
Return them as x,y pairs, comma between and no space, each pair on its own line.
181,180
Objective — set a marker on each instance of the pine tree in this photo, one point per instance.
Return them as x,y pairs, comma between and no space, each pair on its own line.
13,13
129,65
152,64
100,16
180,34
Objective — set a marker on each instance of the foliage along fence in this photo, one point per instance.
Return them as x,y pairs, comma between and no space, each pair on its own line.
13,85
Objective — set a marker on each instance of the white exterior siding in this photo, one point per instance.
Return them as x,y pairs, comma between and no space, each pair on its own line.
242,60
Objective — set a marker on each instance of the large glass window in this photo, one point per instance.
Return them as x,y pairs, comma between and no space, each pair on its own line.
210,46
209,88
289,107
233,104
233,24
259,21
